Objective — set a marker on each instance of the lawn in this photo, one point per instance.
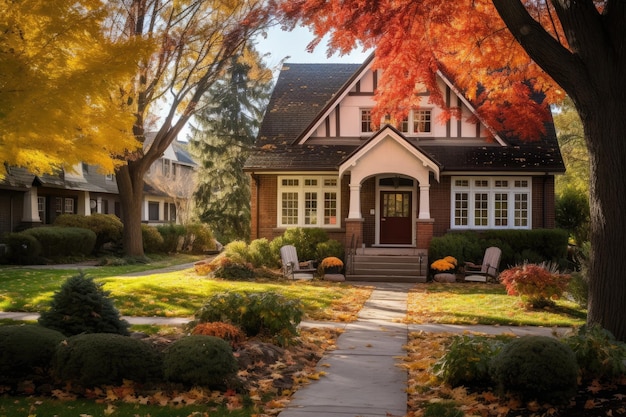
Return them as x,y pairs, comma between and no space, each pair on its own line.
465,303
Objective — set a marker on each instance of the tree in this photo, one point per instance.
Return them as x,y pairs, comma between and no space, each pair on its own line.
59,78
571,138
224,134
499,52
195,39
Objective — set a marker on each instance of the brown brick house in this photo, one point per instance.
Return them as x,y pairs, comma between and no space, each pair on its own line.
318,163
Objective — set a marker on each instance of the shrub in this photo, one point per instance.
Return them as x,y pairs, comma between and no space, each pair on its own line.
598,353
82,306
199,238
24,248
536,368
152,239
267,313
228,268
572,214
538,285
173,237
304,239
329,248
260,254
59,241
200,360
106,359
228,332
107,227
467,360
26,352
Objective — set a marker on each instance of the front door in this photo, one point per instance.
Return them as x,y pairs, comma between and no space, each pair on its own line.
395,218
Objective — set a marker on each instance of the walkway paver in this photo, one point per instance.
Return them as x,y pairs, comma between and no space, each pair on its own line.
361,376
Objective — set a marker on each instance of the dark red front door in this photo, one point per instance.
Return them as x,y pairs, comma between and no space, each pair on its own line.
395,218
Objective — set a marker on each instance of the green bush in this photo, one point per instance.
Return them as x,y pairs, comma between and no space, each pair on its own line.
305,240
26,352
237,251
152,239
266,313
82,306
106,359
260,254
173,237
200,360
330,248
598,353
57,241
24,249
199,238
231,269
107,227
536,368
572,214
467,360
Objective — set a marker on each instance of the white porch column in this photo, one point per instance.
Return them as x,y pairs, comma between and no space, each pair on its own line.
83,204
30,212
424,202
355,202
99,204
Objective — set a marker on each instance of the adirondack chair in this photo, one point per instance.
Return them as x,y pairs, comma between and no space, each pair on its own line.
488,270
291,265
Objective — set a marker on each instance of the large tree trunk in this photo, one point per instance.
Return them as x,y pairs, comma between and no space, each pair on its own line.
130,185
591,70
604,130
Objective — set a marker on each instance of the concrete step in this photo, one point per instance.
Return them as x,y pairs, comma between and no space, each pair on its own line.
387,266
385,278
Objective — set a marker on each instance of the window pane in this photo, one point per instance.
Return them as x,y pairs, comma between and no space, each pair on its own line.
310,208
69,205
461,205
289,208
481,209
421,121
330,208
366,121
521,210
501,213
153,210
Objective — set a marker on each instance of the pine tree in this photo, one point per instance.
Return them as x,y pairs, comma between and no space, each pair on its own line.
225,131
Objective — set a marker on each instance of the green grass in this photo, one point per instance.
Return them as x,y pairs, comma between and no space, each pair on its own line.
463,303
172,294
45,407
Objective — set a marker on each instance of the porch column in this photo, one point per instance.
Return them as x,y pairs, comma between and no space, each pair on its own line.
355,202
30,212
83,204
424,202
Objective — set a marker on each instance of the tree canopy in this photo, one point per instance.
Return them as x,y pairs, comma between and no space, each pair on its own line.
59,85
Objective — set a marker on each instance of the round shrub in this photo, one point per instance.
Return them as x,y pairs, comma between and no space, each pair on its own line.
26,352
106,359
82,306
199,238
260,254
57,241
173,237
536,368
228,332
152,239
107,227
228,268
23,248
200,360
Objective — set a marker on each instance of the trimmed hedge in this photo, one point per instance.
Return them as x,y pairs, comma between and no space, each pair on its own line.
106,359
107,227
59,241
24,249
26,352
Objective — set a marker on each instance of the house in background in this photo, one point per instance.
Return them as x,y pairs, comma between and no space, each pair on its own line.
29,200
319,163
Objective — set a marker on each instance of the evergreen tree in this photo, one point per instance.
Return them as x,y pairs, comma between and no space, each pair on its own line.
223,134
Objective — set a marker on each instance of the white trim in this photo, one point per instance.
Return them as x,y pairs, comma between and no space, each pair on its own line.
491,190
301,188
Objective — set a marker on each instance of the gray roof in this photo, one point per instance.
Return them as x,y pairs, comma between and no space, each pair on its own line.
302,91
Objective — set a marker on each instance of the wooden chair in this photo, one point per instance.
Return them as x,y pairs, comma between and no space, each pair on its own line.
291,265
488,270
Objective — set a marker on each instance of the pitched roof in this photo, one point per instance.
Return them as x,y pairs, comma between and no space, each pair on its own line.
304,90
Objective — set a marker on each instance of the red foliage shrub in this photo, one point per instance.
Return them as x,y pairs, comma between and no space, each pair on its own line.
536,284
228,332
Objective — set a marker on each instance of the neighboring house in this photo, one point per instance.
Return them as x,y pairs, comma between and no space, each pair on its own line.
28,200
319,163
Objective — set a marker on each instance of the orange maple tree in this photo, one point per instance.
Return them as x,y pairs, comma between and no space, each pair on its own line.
499,52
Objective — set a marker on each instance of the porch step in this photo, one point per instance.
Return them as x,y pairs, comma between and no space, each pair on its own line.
388,268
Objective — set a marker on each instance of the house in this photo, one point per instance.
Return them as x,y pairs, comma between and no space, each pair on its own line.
28,200
319,163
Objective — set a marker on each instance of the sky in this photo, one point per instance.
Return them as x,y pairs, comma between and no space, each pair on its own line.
280,44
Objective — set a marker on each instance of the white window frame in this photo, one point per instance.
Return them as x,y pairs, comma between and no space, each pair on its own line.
68,205
407,125
300,190
362,113
517,197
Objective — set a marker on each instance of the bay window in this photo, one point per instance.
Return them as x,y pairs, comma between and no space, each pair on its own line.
308,201
490,203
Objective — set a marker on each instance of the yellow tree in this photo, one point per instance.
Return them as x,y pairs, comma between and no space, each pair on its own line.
196,39
499,52
59,73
